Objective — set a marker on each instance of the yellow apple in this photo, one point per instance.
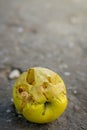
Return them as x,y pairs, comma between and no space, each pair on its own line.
39,95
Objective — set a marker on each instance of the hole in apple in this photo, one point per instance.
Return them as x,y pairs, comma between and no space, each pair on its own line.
45,107
20,90
46,103
31,99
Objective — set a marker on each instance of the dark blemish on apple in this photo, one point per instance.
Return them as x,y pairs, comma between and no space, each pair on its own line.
20,90
45,107
44,85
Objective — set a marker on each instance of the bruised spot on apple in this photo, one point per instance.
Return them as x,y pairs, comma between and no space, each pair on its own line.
40,95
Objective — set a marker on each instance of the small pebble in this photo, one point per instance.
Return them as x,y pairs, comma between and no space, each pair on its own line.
11,99
83,128
9,120
20,30
77,108
63,66
75,91
67,73
8,110
69,88
20,116
14,74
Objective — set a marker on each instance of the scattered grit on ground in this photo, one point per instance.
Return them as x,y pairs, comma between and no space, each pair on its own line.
50,34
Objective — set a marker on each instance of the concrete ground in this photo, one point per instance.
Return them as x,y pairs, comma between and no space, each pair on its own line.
47,33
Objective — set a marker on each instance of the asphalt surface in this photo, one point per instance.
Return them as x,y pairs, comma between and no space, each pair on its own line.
46,33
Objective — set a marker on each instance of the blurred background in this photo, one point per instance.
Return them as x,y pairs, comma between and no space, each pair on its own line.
46,33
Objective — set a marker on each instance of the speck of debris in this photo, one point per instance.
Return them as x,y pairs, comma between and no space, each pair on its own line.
20,30
14,74
83,127
9,120
67,73
63,66
11,99
75,91
19,116
69,88
8,110
77,108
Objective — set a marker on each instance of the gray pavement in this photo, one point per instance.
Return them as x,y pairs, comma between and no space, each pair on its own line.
47,33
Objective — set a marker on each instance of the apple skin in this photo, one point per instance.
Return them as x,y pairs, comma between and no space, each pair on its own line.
40,95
